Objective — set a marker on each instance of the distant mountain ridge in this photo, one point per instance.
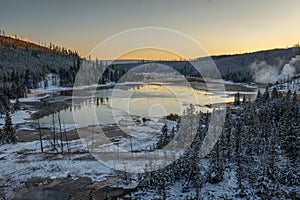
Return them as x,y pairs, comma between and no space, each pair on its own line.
272,57
238,68
19,56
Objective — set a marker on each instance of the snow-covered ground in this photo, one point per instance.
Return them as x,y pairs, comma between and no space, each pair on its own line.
222,81
22,161
223,190
293,85
138,137
18,117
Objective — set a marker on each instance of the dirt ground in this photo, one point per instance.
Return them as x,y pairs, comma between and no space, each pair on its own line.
67,188
32,135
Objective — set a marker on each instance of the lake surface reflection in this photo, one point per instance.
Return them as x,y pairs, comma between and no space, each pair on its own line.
154,101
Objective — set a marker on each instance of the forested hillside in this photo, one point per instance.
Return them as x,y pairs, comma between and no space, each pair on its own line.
23,65
256,157
237,68
242,67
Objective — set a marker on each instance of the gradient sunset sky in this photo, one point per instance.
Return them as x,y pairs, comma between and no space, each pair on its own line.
220,26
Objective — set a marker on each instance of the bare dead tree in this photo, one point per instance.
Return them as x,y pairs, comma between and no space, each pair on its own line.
93,137
67,141
40,133
131,146
54,134
60,132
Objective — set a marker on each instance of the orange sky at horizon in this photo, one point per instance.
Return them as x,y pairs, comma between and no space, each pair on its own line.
157,54
220,27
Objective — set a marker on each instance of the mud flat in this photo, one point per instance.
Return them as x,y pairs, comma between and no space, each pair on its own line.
68,188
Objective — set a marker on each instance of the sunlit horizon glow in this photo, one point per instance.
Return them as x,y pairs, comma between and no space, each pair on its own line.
164,55
152,54
220,27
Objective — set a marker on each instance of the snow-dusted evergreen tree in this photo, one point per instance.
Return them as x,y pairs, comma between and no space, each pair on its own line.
10,135
259,145
258,96
216,164
240,176
17,105
4,104
23,69
274,94
237,99
266,95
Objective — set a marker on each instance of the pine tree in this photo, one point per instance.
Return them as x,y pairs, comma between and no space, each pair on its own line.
162,184
258,96
5,105
2,136
217,164
274,94
263,183
237,100
244,99
9,130
239,169
17,105
266,95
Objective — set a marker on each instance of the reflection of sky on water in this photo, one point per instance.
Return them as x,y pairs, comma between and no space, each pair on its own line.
154,101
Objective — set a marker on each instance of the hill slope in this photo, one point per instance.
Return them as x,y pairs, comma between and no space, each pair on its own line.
23,65
6,41
263,66
262,63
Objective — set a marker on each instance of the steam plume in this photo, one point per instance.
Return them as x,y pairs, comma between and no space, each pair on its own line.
264,73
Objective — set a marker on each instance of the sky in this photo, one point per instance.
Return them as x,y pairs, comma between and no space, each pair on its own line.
219,26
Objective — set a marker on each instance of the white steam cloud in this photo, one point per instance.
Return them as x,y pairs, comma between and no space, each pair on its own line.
288,70
264,73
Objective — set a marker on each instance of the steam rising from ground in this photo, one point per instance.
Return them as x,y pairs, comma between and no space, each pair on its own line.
264,73
288,71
